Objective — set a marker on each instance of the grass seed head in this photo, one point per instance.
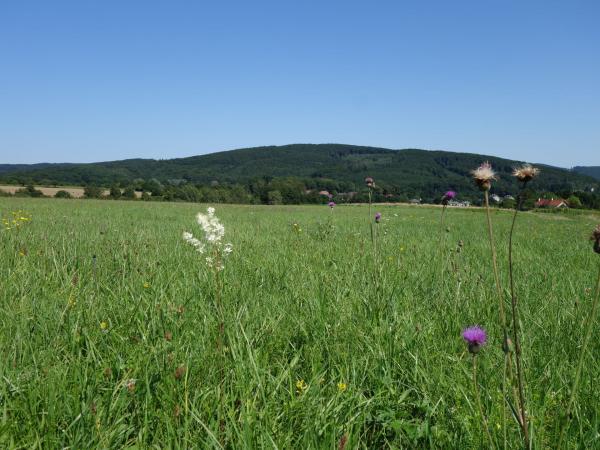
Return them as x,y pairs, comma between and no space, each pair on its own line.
130,384
179,372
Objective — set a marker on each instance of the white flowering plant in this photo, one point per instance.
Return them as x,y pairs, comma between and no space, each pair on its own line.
212,245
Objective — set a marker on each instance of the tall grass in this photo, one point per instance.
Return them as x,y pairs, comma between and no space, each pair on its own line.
297,305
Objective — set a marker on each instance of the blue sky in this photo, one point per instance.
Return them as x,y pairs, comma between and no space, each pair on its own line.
89,81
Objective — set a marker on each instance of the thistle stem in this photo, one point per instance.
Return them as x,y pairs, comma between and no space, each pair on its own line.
495,267
504,403
478,399
370,216
515,324
443,241
505,343
586,340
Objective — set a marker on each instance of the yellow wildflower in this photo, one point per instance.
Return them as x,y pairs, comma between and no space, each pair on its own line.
146,285
301,386
104,326
342,386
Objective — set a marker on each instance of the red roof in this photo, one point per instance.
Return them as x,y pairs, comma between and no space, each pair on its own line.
550,203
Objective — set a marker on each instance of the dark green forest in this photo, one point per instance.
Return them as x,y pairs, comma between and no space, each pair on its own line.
296,173
592,171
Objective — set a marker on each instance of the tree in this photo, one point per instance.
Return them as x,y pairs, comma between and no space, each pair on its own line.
129,193
92,192
574,202
115,192
154,187
274,198
509,203
63,194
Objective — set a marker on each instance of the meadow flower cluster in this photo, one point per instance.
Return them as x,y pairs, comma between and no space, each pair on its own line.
16,220
212,244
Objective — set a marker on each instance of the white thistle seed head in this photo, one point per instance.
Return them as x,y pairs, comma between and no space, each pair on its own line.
525,173
483,176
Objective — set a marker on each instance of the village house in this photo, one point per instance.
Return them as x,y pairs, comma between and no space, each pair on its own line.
551,203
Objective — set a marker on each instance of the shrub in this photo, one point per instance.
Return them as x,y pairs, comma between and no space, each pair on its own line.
115,192
129,192
92,192
63,194
29,191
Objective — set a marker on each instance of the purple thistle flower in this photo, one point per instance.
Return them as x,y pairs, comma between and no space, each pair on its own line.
449,195
475,337
331,204
377,217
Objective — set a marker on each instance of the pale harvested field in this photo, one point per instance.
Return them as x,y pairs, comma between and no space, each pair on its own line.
76,192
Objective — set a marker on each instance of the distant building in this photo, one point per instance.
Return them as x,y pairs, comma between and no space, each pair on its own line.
495,198
508,197
415,201
459,203
325,193
346,195
551,203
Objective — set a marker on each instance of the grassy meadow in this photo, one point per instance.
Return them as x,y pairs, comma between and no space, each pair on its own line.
109,327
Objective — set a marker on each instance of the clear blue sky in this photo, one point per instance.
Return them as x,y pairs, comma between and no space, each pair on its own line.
88,81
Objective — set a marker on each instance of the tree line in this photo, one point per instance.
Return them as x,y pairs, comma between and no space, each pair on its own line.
294,190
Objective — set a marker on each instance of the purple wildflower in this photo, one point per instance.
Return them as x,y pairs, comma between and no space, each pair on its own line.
377,217
331,204
475,337
449,195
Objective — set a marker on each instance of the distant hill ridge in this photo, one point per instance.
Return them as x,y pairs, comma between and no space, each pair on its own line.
592,171
411,171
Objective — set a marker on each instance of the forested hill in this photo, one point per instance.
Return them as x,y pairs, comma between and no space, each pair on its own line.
336,167
593,171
